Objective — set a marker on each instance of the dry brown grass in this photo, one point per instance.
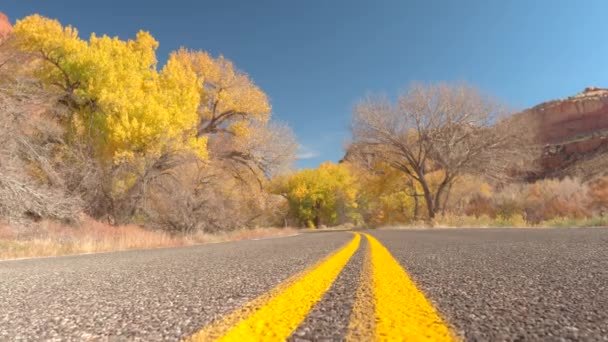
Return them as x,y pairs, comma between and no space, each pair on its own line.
515,221
49,238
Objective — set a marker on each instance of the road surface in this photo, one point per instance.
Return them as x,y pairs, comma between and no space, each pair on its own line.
465,284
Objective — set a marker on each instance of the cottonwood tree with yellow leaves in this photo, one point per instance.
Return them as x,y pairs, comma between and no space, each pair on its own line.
145,127
229,100
323,196
121,102
246,149
234,114
135,119
386,196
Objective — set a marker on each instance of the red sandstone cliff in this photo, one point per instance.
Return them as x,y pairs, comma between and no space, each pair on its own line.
5,26
579,115
573,131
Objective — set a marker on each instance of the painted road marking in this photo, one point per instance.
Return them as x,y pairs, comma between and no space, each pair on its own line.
402,313
275,315
362,324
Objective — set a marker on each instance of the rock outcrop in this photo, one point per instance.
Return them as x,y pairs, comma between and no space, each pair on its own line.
572,130
576,116
5,26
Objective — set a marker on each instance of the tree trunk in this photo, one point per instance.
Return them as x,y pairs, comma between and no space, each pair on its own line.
440,190
446,199
428,198
416,206
317,219
415,195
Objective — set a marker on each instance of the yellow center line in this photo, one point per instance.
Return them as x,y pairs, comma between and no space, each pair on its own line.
402,313
362,324
275,315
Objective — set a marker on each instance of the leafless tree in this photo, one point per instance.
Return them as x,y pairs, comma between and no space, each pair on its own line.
31,186
268,150
451,128
181,193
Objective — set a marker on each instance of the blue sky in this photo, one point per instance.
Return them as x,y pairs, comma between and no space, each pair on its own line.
316,58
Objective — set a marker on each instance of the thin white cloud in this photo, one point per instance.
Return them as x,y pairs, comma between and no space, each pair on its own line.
306,153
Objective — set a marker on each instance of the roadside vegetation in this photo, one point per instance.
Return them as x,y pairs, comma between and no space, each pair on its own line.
95,128
51,238
102,148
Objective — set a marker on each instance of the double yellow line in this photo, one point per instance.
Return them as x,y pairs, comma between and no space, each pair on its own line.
388,306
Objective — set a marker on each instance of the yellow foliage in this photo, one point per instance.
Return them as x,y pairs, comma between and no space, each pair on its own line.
386,195
229,98
325,195
124,103
39,34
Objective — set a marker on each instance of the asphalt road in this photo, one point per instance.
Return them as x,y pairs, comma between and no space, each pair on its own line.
487,285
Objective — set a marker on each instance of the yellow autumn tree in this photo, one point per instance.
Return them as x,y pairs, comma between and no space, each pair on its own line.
386,196
323,196
119,99
142,128
230,101
234,114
